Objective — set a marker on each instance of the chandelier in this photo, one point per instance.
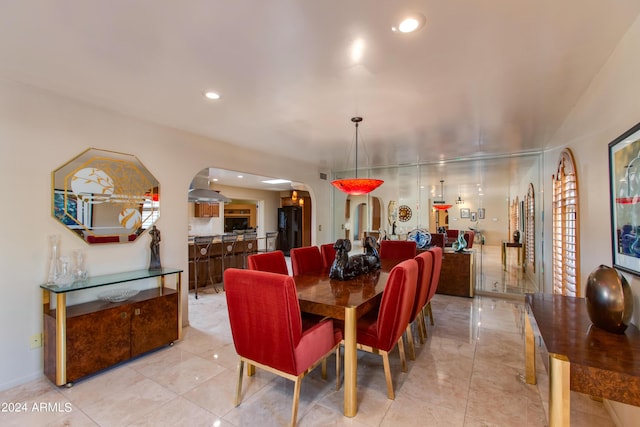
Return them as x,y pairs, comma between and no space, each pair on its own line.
441,204
357,186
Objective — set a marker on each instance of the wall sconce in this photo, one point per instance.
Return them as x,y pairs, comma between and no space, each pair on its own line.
301,202
459,201
294,195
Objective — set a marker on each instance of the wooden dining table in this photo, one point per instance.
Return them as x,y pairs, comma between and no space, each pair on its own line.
346,300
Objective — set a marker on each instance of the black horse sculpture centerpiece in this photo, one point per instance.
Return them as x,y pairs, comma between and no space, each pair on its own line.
347,267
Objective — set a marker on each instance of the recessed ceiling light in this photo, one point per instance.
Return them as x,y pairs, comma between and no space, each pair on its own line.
357,51
240,176
409,24
211,95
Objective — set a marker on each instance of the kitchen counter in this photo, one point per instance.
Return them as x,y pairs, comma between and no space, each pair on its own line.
210,263
216,237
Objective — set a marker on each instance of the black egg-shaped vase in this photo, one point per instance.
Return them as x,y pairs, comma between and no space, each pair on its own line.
609,299
516,236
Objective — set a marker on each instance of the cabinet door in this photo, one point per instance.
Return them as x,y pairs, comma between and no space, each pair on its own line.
199,210
97,340
206,210
154,323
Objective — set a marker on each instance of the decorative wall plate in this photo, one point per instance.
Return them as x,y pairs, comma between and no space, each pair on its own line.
404,213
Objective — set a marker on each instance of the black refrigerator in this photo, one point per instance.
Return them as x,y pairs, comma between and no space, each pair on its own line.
289,228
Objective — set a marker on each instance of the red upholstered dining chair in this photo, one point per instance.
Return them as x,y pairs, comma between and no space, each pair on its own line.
272,262
397,249
468,237
379,331
328,254
435,279
425,265
437,239
268,331
452,235
306,260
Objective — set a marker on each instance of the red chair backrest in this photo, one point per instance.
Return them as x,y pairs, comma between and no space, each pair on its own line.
265,316
437,239
397,249
468,237
397,303
425,266
435,272
452,235
328,254
306,260
272,262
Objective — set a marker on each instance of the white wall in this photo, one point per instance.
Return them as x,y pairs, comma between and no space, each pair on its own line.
39,131
609,107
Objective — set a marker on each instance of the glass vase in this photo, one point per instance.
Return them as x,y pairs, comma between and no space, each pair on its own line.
65,275
54,241
79,269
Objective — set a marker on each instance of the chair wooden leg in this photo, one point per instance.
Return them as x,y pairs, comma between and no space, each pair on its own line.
387,374
338,382
430,313
251,370
403,359
422,329
324,368
296,400
412,348
239,385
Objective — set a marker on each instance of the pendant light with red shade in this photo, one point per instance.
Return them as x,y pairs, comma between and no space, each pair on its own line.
357,186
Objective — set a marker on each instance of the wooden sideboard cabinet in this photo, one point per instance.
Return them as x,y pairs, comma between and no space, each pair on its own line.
458,273
82,339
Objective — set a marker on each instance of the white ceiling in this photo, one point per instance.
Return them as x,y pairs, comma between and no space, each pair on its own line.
482,78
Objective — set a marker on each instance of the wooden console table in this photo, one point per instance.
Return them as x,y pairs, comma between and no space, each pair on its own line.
581,357
506,245
85,338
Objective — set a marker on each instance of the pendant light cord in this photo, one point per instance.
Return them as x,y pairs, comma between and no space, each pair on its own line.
356,150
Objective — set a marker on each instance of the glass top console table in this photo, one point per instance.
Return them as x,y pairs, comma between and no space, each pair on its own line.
85,338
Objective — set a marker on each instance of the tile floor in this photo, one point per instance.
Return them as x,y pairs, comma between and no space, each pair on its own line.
466,374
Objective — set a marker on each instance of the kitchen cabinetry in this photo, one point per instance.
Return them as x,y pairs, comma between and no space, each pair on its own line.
206,210
240,210
85,338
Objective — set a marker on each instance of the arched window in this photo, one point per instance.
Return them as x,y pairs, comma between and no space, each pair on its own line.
565,238
530,230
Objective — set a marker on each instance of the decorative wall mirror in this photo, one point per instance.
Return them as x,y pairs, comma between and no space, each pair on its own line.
105,197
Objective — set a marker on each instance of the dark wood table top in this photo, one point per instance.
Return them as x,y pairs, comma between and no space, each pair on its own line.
318,294
511,244
603,364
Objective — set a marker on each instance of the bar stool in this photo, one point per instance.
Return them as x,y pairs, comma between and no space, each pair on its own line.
228,252
201,256
249,246
271,238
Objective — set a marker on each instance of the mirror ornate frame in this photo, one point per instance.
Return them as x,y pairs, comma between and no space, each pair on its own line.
105,196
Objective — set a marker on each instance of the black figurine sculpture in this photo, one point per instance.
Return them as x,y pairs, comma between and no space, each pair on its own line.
347,267
154,263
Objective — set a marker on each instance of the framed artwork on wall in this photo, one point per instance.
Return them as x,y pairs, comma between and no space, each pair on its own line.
473,216
624,181
464,213
480,213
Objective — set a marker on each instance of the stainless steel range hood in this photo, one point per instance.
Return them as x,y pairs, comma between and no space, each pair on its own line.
199,190
207,196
